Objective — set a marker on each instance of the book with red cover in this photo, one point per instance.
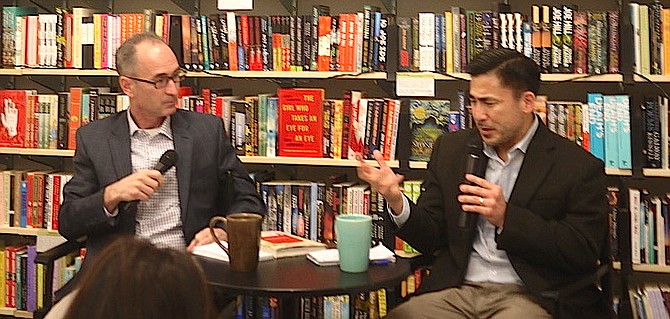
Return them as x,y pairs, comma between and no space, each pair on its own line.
300,132
13,112
282,244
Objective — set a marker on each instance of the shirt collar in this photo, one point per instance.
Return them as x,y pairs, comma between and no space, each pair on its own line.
522,145
165,128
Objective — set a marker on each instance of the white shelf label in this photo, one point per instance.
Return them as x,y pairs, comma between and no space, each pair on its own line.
415,84
230,5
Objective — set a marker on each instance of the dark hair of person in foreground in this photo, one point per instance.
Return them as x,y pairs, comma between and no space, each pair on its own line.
132,278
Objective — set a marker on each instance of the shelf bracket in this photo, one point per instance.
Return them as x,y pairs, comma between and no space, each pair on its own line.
96,80
190,6
291,6
55,163
388,87
53,83
390,6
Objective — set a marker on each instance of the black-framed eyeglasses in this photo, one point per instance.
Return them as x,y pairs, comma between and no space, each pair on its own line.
162,81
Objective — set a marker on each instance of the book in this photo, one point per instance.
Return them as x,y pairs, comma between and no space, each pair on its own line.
428,120
213,250
330,257
300,131
281,244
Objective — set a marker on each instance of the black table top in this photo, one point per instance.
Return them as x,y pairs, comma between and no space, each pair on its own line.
297,276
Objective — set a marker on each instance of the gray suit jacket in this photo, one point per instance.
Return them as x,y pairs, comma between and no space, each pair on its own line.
205,159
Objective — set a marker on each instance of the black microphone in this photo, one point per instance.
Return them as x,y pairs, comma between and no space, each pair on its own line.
167,161
475,164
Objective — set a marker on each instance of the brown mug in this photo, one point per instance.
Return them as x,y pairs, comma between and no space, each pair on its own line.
244,238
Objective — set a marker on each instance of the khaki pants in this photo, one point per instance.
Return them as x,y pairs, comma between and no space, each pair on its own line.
472,301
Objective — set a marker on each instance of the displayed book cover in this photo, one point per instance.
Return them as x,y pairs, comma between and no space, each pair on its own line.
428,120
281,244
13,112
300,131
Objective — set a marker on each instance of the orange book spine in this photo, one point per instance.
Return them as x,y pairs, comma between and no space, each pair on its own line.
75,116
323,61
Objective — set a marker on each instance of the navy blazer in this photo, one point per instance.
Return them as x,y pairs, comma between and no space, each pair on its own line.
556,223
205,159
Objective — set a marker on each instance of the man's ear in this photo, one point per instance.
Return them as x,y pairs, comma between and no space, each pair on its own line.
528,101
126,85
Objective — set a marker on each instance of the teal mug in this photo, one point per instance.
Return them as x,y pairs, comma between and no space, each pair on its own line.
354,237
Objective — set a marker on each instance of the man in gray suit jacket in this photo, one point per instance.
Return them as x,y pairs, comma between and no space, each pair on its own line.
116,191
538,215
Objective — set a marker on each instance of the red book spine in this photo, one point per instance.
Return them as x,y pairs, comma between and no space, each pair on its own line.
56,202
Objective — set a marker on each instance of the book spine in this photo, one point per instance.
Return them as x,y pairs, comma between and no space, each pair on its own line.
556,39
596,125
623,119
613,42
568,34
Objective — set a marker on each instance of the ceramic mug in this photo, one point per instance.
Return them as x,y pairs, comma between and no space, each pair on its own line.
244,237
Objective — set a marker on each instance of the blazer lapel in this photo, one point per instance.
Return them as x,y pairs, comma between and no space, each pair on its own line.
119,146
536,165
184,147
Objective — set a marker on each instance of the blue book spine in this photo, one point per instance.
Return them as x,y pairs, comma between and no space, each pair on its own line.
272,119
24,204
85,110
611,131
313,217
623,115
597,124
240,58
375,39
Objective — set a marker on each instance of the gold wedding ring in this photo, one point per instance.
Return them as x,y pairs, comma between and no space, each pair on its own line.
481,201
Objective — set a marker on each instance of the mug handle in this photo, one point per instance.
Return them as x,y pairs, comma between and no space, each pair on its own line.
212,223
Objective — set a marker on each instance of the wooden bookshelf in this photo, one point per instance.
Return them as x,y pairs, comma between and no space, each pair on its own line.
36,152
28,231
656,172
15,313
310,161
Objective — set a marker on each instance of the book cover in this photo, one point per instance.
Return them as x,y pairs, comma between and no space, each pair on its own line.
281,244
623,119
596,125
213,250
13,113
300,130
429,119
611,131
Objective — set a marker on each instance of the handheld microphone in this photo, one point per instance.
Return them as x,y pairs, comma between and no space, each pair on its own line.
475,164
167,161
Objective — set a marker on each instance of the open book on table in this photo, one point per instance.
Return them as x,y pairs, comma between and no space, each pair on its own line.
330,257
274,244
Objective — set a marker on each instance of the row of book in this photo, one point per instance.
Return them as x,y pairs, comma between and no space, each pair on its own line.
651,301
600,126
50,121
301,122
655,115
22,283
347,42
31,198
649,227
371,305
308,208
558,38
651,34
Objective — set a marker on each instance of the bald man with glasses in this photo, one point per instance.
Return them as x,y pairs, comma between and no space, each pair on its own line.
115,157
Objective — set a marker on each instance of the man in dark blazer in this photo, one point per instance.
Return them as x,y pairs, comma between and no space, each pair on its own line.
539,217
116,191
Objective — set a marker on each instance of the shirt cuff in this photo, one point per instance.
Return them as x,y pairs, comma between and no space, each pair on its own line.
112,214
400,219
